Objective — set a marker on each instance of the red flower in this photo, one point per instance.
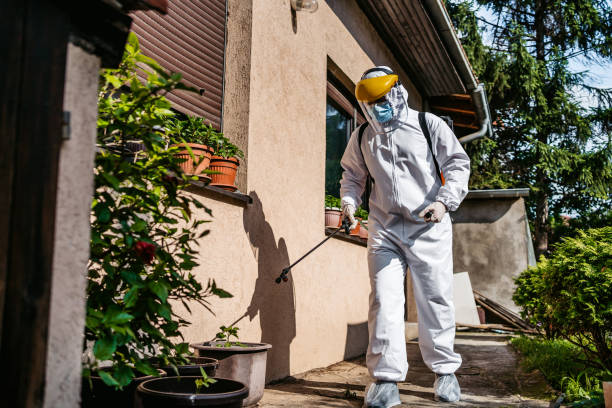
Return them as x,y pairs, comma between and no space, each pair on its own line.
145,251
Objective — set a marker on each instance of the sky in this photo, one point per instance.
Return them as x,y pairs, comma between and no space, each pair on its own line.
598,75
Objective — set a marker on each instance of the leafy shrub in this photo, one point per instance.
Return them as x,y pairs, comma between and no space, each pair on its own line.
564,366
570,294
142,230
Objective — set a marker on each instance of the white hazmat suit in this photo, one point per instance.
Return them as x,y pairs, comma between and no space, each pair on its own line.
406,182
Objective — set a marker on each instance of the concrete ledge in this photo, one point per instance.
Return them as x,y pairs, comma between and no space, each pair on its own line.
216,193
348,238
499,193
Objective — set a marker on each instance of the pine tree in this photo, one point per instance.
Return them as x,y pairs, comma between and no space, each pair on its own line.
545,138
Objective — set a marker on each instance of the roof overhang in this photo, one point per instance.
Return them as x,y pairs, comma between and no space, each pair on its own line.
422,38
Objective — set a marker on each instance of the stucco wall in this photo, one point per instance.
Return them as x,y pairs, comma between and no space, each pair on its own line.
74,191
319,316
490,242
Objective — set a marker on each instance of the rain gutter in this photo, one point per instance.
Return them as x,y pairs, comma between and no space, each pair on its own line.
501,193
441,20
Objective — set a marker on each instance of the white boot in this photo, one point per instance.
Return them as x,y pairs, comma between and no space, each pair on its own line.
381,394
446,388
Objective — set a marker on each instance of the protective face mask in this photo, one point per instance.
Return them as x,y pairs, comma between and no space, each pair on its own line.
383,112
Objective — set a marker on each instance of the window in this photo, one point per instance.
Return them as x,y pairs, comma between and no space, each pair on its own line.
190,39
342,117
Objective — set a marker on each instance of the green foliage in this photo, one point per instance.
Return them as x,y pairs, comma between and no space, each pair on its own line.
205,381
563,365
570,294
544,136
142,230
225,148
225,336
194,130
332,202
361,213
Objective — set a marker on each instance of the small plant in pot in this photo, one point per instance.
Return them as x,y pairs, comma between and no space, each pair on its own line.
224,164
140,263
333,212
240,361
192,391
196,140
362,216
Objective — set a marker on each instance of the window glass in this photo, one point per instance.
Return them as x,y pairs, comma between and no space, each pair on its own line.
338,132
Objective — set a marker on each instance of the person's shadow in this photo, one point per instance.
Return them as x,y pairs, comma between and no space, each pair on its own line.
274,302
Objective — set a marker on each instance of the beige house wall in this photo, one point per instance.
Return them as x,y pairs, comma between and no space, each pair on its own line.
319,316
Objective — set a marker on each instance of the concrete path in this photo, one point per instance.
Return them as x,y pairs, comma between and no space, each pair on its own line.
490,377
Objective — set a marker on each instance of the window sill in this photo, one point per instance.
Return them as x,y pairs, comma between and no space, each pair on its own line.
348,238
219,194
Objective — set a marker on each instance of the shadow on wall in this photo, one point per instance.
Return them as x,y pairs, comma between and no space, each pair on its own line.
356,340
274,303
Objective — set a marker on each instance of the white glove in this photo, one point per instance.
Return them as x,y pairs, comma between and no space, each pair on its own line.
348,211
436,210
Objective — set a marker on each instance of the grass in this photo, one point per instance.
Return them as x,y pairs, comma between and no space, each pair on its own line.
564,367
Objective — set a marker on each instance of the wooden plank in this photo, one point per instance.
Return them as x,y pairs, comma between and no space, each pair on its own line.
465,125
454,110
494,327
10,78
39,29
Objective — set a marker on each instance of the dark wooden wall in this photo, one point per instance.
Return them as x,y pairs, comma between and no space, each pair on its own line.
33,59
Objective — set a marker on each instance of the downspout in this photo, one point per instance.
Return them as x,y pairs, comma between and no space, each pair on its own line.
479,97
441,20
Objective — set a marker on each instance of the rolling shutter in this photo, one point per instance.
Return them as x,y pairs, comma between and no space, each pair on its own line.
190,39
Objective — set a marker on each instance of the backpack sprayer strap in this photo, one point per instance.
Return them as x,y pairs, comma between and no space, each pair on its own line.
425,130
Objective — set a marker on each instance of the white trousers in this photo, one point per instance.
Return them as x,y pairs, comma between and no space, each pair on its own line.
429,257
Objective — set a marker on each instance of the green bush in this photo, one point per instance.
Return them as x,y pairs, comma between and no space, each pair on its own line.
570,294
564,366
142,231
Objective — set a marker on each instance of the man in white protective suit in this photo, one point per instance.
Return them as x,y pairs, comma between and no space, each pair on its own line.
419,173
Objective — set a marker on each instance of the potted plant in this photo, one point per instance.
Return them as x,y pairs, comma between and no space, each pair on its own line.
192,391
362,215
140,263
224,164
333,213
192,367
242,362
196,140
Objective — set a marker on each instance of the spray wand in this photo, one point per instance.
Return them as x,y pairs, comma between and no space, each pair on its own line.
283,276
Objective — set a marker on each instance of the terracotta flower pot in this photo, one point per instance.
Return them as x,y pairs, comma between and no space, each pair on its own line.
202,155
227,169
363,233
355,231
243,364
333,217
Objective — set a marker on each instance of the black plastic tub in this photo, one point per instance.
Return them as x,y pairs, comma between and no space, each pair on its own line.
170,392
209,365
99,395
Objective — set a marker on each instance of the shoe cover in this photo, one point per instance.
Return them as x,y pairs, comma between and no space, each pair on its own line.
446,388
382,394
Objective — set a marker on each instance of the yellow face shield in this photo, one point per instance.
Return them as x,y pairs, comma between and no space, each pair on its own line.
372,89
